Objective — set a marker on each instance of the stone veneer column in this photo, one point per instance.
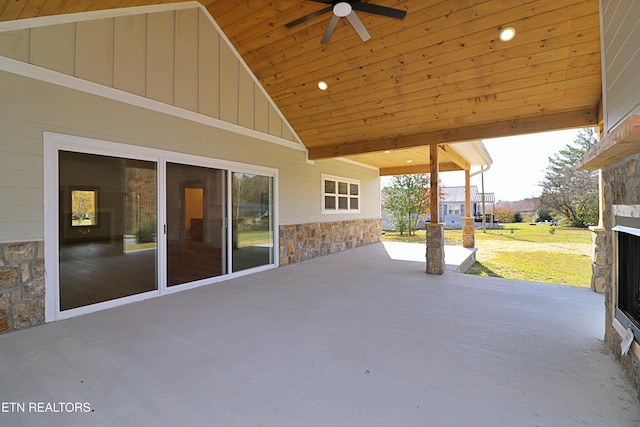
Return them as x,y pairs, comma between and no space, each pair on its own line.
600,270
435,249
21,285
468,232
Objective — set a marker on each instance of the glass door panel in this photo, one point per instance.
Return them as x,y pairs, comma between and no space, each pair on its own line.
252,216
195,223
107,231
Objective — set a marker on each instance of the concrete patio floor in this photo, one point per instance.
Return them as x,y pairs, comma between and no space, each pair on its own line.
456,258
351,339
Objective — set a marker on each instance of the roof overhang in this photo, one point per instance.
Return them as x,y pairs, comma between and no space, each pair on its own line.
439,76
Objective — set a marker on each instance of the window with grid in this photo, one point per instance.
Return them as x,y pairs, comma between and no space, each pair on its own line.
340,195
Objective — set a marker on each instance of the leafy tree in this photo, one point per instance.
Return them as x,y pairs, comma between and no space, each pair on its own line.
570,192
401,223
407,197
517,217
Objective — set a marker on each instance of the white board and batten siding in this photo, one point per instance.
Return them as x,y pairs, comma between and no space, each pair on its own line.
112,79
620,40
201,73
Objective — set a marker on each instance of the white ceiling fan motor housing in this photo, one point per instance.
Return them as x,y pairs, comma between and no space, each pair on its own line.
342,9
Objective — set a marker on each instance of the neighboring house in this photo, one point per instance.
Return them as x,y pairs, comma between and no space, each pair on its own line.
453,206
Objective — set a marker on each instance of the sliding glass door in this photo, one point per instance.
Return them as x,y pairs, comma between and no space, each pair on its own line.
252,215
107,228
149,222
196,214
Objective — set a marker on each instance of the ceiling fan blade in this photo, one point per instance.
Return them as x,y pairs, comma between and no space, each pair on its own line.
356,23
330,29
308,17
379,10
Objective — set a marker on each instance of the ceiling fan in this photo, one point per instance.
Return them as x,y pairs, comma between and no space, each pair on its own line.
346,9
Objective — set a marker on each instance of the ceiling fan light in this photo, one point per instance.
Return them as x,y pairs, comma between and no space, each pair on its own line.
507,34
342,9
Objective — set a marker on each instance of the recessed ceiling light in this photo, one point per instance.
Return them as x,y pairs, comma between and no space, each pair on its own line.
409,161
507,34
387,152
322,85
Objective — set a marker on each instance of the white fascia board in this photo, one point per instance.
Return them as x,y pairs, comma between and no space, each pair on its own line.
482,151
44,21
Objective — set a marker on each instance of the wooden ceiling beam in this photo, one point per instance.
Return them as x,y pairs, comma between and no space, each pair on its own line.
413,169
447,152
564,120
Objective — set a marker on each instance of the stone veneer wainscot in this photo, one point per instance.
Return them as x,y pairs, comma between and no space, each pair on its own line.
21,285
300,242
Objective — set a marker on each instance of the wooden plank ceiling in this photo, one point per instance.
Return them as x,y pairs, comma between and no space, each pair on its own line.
438,76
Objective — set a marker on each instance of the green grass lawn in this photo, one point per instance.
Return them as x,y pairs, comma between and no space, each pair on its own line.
253,238
525,252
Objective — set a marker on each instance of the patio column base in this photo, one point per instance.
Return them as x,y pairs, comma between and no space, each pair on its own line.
600,270
435,249
468,232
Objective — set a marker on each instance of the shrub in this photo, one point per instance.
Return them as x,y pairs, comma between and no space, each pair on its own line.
543,215
504,215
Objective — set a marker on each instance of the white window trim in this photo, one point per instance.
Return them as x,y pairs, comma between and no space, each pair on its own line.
348,181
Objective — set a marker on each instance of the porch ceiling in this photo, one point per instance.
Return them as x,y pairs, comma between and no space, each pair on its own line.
439,76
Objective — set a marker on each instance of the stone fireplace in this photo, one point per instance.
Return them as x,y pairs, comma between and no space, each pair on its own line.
621,225
626,274
617,156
